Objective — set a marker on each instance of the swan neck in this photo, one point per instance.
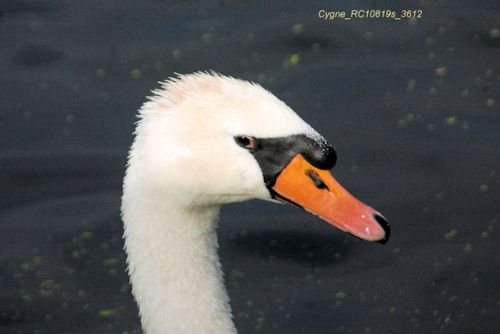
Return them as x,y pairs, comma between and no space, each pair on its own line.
174,267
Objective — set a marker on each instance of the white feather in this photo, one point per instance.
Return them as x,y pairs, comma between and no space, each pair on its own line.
184,164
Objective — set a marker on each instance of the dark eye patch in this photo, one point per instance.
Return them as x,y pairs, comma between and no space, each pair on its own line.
273,154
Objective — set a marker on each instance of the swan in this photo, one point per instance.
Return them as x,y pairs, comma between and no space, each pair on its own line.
203,140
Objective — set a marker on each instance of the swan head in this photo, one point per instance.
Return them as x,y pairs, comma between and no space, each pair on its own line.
204,139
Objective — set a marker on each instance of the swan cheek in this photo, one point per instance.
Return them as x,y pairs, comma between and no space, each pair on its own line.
252,181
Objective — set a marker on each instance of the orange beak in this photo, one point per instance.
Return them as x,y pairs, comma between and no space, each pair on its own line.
304,185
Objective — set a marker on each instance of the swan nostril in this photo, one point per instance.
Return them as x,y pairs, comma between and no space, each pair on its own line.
318,182
385,225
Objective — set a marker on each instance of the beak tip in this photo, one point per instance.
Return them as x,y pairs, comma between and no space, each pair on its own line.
382,241
385,226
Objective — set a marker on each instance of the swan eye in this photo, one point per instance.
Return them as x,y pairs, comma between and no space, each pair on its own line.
245,141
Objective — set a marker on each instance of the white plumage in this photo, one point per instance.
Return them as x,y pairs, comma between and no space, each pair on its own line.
183,165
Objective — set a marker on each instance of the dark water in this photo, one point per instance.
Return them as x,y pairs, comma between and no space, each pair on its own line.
412,108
